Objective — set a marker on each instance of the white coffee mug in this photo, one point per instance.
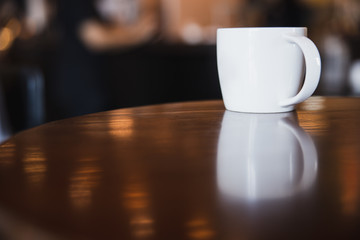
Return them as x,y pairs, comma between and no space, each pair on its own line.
261,70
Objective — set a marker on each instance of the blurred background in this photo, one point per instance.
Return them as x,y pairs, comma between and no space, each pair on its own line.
64,58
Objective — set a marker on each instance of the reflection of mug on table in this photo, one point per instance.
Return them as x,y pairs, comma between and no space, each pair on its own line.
264,156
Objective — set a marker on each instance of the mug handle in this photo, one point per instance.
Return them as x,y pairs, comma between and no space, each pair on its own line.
313,69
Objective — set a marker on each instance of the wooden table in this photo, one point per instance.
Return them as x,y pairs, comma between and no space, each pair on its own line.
186,171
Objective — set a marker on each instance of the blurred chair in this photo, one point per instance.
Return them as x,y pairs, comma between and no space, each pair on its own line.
23,97
5,131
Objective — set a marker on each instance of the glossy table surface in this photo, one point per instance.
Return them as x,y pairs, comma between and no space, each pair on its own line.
186,171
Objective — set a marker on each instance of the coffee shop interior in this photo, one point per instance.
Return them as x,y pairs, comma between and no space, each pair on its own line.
65,58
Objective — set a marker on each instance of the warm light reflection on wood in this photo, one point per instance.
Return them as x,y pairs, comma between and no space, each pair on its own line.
135,197
311,118
314,104
316,125
200,228
121,126
197,222
136,200
82,184
142,225
7,152
34,163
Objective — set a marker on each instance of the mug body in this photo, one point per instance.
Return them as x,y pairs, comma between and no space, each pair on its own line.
259,67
